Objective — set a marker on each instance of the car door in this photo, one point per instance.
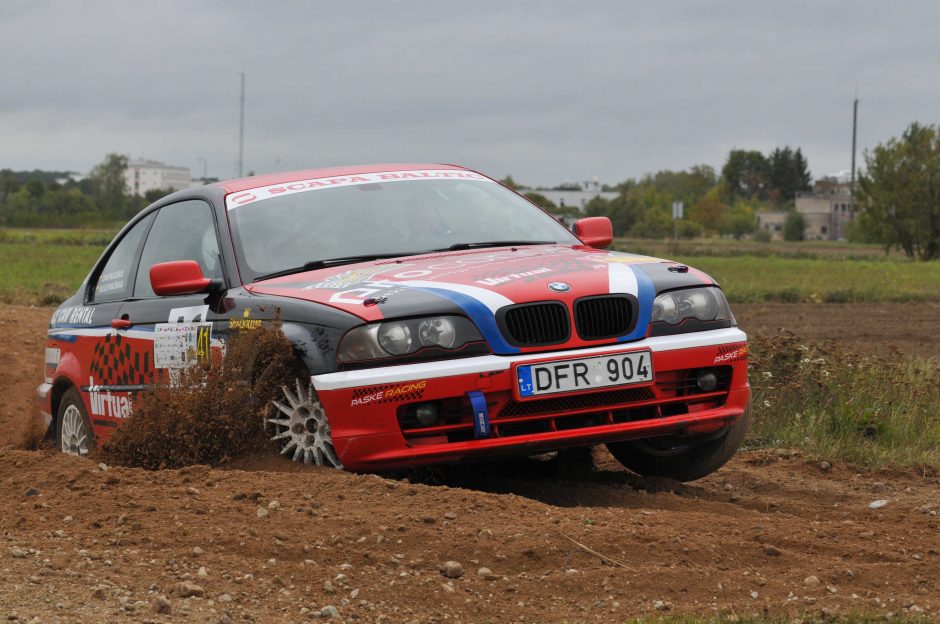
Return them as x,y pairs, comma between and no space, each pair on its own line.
108,370
175,330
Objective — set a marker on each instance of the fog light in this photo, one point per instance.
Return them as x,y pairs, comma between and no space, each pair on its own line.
707,380
426,414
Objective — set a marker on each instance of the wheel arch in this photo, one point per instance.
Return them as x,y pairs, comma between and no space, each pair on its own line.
60,386
309,348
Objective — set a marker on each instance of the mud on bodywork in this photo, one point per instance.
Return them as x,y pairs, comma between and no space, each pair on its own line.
216,410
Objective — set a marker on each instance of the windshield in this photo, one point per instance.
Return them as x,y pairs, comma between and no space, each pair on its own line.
286,231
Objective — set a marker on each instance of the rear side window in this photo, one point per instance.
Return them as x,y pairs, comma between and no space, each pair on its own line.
116,278
183,231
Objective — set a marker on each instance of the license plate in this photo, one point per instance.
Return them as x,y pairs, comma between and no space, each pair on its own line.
602,371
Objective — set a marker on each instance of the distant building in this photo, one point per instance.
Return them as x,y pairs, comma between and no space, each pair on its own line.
772,221
827,210
71,176
146,175
576,195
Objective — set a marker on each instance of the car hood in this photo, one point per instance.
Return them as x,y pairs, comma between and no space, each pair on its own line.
478,282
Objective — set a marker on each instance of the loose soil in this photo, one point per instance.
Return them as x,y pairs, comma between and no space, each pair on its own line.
261,539
910,328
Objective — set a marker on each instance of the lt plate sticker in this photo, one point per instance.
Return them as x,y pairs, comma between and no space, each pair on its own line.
178,345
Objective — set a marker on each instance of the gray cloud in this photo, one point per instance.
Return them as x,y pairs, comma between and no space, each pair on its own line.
547,91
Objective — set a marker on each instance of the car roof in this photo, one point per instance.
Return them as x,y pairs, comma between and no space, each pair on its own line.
243,184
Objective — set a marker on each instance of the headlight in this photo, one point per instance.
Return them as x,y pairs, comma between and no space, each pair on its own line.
704,304
398,338
395,338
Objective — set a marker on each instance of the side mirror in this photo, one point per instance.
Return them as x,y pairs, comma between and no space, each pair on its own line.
597,232
180,277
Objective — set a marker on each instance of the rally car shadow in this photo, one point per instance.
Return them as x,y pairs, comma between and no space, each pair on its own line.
572,478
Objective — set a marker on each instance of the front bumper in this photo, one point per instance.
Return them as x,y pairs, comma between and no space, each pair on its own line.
369,409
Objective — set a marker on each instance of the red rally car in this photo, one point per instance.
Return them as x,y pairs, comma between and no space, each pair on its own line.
441,316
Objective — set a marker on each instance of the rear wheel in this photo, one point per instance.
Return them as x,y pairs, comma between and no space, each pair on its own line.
74,434
681,460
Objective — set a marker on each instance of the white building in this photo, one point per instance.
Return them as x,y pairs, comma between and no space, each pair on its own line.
827,209
147,175
576,195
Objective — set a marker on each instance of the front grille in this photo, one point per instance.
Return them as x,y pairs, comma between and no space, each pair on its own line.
602,317
535,324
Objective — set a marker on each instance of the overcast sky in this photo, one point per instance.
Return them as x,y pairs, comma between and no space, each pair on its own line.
546,91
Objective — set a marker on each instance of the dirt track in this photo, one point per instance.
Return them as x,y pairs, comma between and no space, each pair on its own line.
81,544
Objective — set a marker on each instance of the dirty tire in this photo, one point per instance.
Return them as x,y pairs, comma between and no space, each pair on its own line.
74,434
652,458
301,428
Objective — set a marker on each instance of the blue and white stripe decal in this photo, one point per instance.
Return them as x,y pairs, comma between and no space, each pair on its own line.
71,335
632,280
479,304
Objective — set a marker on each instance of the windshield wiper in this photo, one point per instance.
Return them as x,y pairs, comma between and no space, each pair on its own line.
503,243
319,264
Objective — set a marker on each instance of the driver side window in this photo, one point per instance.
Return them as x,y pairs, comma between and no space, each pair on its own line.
183,231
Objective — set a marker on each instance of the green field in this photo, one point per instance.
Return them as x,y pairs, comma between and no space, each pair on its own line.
810,271
45,266
753,279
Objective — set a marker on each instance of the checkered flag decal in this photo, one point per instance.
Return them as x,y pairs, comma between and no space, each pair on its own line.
115,363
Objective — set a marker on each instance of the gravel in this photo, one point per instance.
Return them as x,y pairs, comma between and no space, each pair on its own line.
452,569
161,605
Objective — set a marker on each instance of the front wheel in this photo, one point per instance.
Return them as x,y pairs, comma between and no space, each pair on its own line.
675,459
74,434
301,428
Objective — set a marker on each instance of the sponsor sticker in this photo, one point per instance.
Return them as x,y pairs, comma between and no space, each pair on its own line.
73,315
388,394
521,275
111,281
354,276
52,356
731,353
178,345
108,404
234,200
244,322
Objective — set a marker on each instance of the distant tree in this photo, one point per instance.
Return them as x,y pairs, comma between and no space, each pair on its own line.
508,181
653,223
711,210
35,188
740,220
154,194
109,186
53,208
746,174
900,192
788,174
8,184
794,226
622,211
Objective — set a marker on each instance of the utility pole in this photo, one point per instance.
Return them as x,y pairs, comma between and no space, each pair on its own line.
854,134
241,128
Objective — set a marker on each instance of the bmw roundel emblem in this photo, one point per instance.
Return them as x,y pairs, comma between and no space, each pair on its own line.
559,287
